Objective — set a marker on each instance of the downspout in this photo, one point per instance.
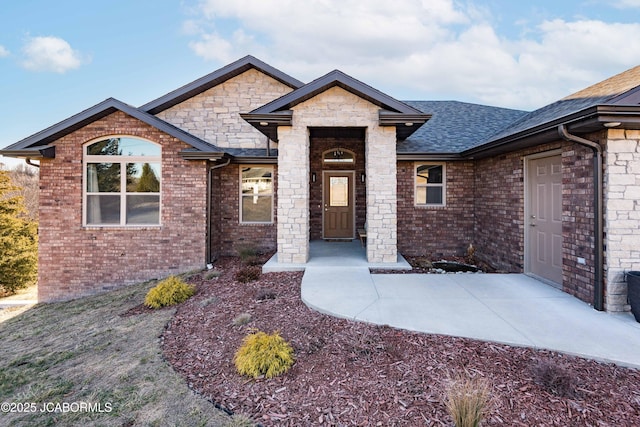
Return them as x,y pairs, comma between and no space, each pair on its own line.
598,298
209,192
30,163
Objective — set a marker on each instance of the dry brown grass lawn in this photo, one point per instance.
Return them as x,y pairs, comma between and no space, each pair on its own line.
87,351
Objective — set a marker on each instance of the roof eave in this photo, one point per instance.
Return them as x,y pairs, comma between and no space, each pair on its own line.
268,123
261,160
47,152
545,132
202,155
405,123
429,157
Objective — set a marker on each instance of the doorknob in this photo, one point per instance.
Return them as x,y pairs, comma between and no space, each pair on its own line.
533,217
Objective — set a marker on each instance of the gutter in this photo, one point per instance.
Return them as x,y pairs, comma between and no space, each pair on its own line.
209,191
598,298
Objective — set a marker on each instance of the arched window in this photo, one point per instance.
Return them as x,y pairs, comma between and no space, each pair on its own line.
339,155
122,182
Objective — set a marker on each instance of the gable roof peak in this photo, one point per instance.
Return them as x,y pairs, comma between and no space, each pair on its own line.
102,109
215,78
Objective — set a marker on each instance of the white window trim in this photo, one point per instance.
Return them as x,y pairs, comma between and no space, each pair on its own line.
416,185
122,160
240,219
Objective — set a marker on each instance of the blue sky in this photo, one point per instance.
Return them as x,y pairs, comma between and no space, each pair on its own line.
58,60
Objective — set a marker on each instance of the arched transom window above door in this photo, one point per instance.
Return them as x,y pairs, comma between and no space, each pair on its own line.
338,156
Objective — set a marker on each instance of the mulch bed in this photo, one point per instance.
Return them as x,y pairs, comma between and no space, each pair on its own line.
349,373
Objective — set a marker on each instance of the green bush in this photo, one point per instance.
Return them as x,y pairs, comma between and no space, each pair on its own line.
170,291
264,354
18,240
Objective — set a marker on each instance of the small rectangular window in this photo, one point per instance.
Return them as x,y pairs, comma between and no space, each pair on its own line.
256,194
430,184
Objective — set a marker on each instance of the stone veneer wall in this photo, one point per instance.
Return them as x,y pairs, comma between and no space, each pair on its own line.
228,234
437,231
76,261
214,115
318,145
622,208
334,108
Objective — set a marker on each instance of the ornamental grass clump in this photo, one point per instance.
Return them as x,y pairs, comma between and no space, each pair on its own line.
169,291
467,400
265,355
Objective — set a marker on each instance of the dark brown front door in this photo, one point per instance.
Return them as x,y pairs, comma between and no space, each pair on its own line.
338,205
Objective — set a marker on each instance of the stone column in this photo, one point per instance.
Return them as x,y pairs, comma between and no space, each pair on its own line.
382,224
293,195
622,213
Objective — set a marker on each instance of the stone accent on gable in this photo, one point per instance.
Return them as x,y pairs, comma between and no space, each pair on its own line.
622,218
336,108
214,115
76,261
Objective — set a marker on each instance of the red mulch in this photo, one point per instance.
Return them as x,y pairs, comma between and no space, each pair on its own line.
349,373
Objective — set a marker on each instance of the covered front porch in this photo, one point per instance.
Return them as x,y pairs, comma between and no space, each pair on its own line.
328,254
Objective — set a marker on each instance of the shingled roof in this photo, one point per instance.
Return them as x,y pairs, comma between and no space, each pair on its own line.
455,126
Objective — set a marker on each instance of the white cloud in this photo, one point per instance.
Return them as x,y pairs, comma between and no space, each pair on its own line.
50,54
418,49
626,4
3,51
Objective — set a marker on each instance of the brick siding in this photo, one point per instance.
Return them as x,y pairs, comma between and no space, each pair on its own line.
499,230
228,234
75,260
436,231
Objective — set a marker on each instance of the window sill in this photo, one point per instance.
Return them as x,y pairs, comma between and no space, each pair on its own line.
436,207
122,227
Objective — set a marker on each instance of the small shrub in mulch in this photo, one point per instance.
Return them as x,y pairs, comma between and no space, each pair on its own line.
555,379
169,291
213,274
249,255
248,274
242,319
265,294
263,354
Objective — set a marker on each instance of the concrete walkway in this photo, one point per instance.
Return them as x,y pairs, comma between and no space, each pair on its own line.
506,308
